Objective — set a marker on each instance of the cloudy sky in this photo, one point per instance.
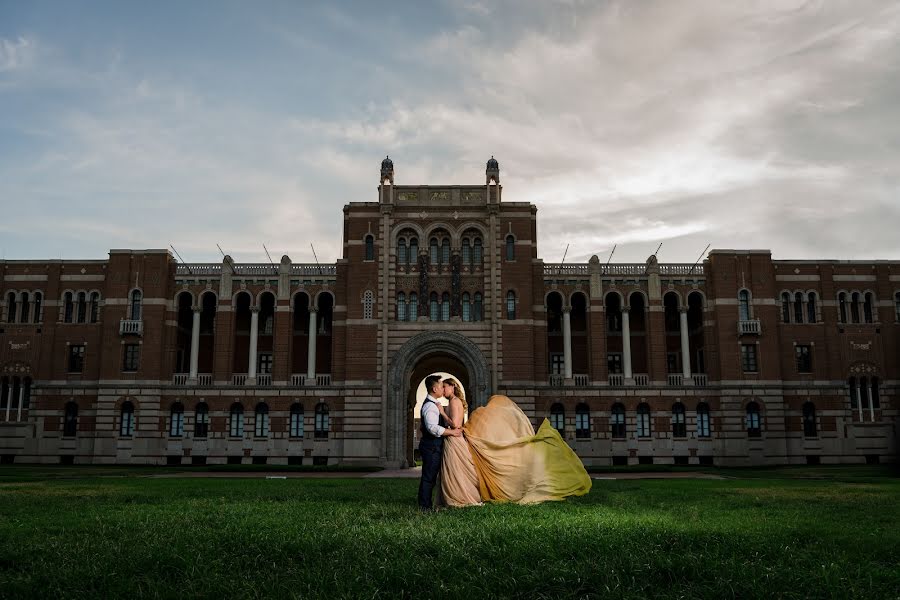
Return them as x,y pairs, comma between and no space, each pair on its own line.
735,124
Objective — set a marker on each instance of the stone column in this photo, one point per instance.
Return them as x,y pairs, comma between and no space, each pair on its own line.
872,398
9,397
859,400
626,343
22,400
195,345
685,344
567,342
311,358
254,332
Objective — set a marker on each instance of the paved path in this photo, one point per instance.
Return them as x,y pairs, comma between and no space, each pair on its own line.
406,474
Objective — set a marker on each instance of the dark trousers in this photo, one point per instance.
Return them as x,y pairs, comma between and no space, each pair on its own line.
431,451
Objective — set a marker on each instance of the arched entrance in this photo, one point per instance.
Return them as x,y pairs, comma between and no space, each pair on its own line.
423,354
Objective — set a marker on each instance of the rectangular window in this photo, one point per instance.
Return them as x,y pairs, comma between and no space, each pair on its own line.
557,364
748,358
672,362
131,357
614,362
76,358
264,364
297,424
803,355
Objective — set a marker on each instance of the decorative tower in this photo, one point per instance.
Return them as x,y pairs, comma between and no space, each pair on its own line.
492,172
386,183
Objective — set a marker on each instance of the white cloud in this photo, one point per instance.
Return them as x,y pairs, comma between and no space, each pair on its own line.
16,54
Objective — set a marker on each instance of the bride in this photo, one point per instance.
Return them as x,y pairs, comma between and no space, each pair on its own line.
501,458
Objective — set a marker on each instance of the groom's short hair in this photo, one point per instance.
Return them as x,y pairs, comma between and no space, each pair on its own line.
430,381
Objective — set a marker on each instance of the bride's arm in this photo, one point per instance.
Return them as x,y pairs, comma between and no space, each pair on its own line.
456,413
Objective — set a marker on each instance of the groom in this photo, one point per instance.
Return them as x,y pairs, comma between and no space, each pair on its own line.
434,430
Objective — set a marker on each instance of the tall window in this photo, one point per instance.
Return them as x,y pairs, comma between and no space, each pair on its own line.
414,251
557,363
803,354
23,315
370,247
798,307
401,306
296,420
809,419
261,420
854,307
679,427
511,305
744,305
413,306
614,362
131,355
466,307
582,421
434,252
643,420
11,307
434,306
466,252
70,424
368,304
68,307
95,307
785,307
703,420
510,248
558,417
476,252
811,308
445,251
38,304
754,428
236,420
748,358
264,363
126,419
76,358
322,423
136,298
617,420
478,308
176,420
445,306
201,420
402,258
82,307
868,311
842,307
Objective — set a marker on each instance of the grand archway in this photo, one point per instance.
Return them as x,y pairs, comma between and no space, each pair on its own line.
425,353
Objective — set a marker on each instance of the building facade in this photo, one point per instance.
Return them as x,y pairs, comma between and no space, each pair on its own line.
738,360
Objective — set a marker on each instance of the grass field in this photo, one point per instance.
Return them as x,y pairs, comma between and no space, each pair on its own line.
102,533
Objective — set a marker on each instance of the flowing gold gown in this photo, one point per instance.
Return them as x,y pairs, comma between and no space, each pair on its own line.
501,458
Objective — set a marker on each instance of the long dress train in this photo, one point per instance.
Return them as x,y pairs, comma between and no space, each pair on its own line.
508,461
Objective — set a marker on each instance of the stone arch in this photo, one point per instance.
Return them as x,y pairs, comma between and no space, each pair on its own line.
404,362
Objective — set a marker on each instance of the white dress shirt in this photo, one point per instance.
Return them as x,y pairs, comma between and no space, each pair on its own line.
431,416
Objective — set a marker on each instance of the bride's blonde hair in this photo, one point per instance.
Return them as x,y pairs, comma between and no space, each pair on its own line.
458,391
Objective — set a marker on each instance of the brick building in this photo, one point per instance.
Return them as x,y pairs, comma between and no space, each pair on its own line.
738,360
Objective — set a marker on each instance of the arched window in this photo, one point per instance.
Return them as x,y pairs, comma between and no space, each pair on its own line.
754,428
368,302
82,307
842,305
261,420
126,419
445,251
176,420
414,251
478,308
811,308
617,421
785,307
558,417
70,424
322,422
402,258
643,420
582,421
38,306
11,306
875,395
434,307
809,419
466,307
370,247
679,427
510,248
476,252
868,310
445,307
136,298
201,420
296,420
95,307
68,307
854,307
744,305
401,306
511,305
703,428
413,306
466,251
236,420
23,314
434,252
798,307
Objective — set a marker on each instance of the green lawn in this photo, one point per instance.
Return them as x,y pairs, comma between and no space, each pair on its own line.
809,532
